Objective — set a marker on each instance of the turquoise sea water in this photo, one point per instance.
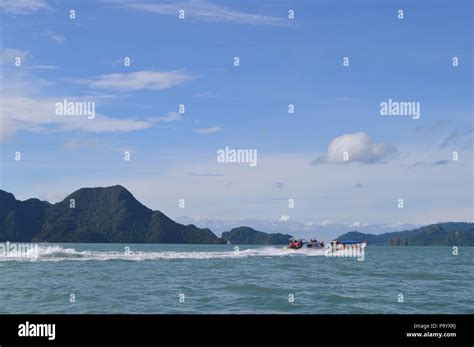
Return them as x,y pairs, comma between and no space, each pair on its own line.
216,279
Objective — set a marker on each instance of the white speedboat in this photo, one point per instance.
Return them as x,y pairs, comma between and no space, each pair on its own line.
297,244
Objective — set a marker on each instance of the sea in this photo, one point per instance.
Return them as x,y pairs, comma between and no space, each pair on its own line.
234,279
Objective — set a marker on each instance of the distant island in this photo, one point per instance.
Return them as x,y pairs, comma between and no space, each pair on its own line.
113,215
441,234
247,235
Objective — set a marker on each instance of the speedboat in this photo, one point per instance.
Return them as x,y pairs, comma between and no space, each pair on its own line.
297,244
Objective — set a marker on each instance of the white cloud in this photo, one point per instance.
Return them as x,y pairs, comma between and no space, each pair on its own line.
8,55
207,131
59,39
37,114
170,117
102,123
21,7
23,109
325,222
284,218
152,80
206,11
358,147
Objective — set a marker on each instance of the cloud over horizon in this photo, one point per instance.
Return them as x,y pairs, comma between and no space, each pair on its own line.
358,147
458,138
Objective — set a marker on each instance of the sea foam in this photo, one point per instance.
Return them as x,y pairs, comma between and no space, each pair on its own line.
59,253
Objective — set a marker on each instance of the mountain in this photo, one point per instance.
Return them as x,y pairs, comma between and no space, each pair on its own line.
20,220
441,234
247,235
104,215
370,238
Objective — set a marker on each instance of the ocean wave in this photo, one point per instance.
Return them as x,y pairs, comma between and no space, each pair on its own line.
59,253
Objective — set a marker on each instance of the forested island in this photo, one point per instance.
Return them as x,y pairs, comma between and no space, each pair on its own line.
113,215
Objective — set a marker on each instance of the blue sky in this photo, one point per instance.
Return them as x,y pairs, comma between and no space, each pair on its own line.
282,62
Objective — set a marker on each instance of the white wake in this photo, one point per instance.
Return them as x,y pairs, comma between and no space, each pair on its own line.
58,253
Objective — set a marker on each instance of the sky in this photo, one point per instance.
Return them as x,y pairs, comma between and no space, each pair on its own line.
301,182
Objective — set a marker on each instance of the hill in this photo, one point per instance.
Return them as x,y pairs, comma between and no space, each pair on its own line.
104,215
441,234
247,235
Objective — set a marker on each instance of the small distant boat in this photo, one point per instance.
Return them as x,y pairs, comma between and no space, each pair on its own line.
297,244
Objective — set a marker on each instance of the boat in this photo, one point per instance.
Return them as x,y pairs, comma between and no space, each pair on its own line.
297,244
